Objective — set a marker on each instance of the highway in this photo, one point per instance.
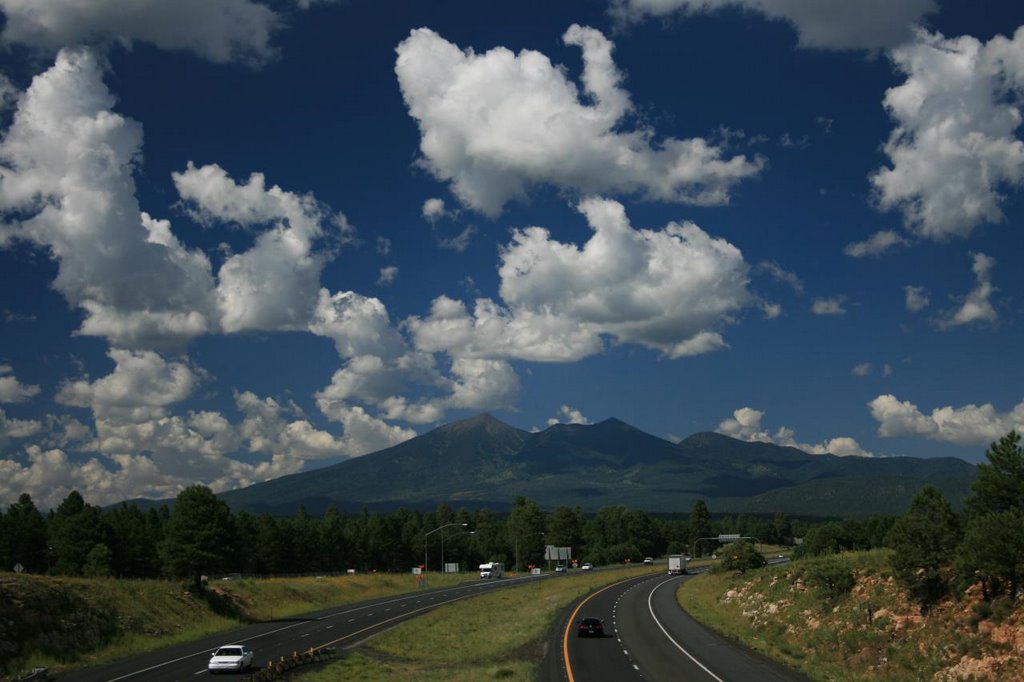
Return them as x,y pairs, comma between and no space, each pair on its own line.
341,627
649,637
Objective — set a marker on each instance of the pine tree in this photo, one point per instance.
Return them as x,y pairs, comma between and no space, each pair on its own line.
332,540
992,552
999,486
924,540
134,542
526,527
73,530
26,530
700,524
97,562
566,528
199,536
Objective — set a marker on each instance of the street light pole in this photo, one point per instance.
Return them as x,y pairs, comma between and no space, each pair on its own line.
431,532
517,551
443,566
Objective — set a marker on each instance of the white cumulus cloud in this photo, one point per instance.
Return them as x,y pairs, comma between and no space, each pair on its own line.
955,145
365,433
11,428
433,209
568,415
379,369
387,275
275,284
916,298
50,475
66,185
875,245
745,424
966,425
141,385
497,123
828,306
771,310
824,24
862,370
668,289
12,390
780,274
221,31
976,306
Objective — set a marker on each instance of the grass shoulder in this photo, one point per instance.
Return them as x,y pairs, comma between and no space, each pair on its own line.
844,617
494,636
64,623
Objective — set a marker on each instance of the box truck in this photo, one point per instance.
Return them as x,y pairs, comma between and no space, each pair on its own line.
492,569
676,564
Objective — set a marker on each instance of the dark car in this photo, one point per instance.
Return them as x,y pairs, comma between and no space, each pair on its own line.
591,627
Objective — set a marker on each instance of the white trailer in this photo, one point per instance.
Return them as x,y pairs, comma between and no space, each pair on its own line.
492,569
676,564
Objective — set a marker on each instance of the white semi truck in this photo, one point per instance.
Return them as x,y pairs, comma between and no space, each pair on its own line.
676,564
492,569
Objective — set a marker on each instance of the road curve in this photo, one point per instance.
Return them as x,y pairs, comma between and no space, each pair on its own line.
649,637
341,627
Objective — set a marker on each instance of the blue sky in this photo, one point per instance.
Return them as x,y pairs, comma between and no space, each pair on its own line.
244,239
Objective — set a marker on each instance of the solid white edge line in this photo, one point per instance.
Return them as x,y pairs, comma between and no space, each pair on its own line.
650,607
264,634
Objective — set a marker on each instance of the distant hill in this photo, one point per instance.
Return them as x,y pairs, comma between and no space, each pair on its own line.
484,462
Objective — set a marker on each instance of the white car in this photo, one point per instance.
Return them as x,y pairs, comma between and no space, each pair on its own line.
587,566
559,568
648,560
231,658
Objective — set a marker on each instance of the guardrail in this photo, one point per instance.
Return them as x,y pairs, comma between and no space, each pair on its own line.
277,670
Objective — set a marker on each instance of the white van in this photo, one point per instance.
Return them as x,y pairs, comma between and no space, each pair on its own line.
492,569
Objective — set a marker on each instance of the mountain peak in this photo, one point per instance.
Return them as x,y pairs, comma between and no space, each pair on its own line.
482,461
706,438
481,422
613,422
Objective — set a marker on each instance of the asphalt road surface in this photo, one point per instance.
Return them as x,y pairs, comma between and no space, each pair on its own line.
341,627
649,637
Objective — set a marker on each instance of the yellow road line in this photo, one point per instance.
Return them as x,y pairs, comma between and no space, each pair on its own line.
572,619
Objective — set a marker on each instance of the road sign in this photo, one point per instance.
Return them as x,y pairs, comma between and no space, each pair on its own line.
732,537
552,553
18,568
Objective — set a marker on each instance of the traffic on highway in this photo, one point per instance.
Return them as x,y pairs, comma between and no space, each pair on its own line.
646,635
631,629
342,627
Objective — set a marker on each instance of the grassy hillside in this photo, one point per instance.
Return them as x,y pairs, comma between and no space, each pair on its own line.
845,618
73,622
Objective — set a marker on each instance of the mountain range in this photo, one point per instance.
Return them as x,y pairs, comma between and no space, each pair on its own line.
483,462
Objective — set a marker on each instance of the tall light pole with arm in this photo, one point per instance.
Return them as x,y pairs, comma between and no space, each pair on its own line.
431,532
443,566
517,549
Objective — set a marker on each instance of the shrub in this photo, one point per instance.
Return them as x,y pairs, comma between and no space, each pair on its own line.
830,576
741,556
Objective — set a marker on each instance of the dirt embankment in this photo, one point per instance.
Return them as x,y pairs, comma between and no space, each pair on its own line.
873,631
67,619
